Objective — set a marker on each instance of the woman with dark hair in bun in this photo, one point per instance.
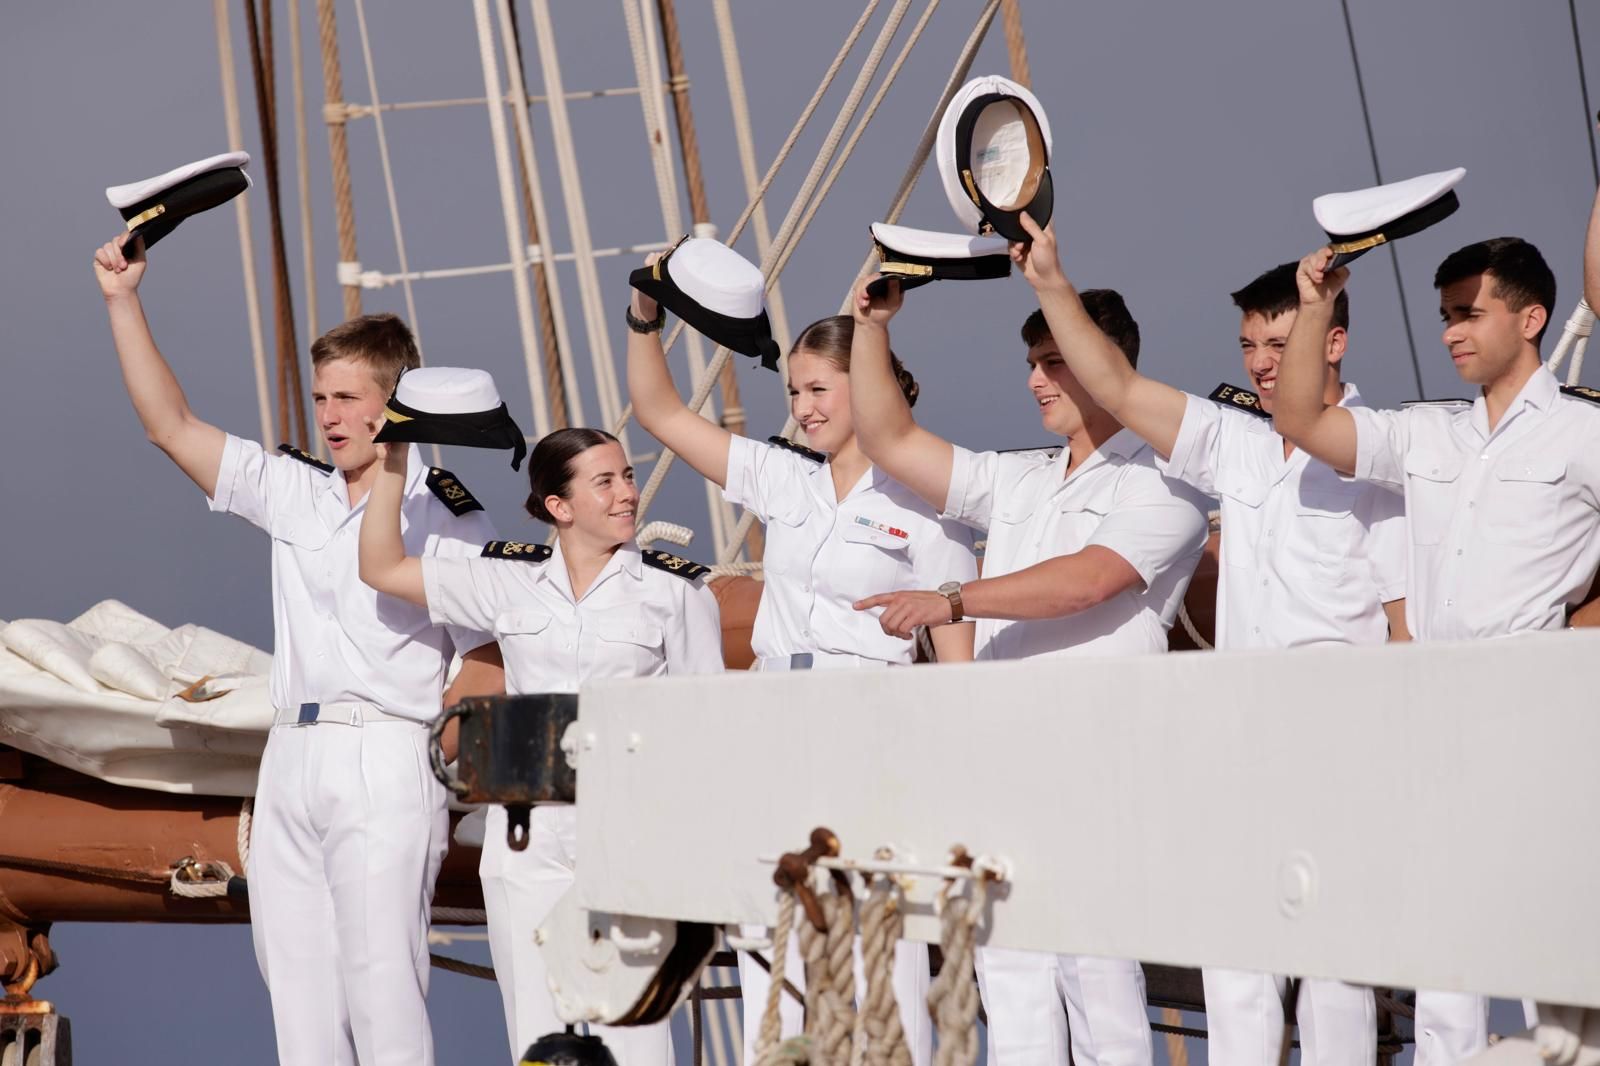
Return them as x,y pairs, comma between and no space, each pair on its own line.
593,606
838,530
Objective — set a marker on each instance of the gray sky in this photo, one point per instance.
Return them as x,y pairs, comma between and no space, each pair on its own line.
1189,142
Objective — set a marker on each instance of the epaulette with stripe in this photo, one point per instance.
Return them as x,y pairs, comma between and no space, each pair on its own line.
310,460
798,449
1240,399
1451,402
452,493
1581,392
674,564
516,549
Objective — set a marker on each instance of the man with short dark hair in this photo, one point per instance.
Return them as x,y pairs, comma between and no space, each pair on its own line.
1089,552
1307,558
349,827
1502,493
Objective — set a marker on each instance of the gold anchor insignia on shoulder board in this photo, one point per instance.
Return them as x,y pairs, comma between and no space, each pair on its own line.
1581,392
310,460
674,564
1243,399
516,549
451,492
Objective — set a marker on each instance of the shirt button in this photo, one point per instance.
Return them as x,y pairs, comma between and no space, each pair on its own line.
805,588
1449,603
1458,551
1471,504
1263,582
1485,455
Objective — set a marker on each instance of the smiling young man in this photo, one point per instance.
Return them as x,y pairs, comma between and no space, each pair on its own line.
1307,558
349,827
1089,553
1502,494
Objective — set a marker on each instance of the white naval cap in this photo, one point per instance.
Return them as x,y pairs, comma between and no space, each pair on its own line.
1362,219
993,152
451,405
715,290
918,256
153,207
447,390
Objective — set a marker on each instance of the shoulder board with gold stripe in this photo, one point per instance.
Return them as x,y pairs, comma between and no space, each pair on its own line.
310,460
516,549
1581,392
674,564
452,493
1241,399
799,449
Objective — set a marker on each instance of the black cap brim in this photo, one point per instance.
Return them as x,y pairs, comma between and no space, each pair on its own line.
747,336
494,429
1004,222
1347,247
171,206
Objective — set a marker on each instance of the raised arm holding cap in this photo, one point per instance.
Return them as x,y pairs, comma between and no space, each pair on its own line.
1089,552
837,528
341,942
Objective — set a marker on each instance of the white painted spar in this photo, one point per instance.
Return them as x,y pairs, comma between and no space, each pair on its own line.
1160,807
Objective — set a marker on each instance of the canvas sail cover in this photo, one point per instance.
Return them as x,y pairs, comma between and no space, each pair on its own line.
118,696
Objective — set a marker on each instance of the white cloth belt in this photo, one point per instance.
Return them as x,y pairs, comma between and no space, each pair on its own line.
347,713
819,660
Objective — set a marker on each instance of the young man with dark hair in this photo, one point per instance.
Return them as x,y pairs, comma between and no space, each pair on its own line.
1502,494
1307,558
1089,552
349,827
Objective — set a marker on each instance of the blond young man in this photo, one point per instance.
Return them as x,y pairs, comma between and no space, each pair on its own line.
350,826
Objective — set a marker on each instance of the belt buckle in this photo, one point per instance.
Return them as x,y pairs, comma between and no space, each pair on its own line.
800,660
308,713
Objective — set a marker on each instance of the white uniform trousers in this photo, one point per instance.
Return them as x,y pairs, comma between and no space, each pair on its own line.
348,834
1024,993
520,888
909,977
1450,1026
1244,1020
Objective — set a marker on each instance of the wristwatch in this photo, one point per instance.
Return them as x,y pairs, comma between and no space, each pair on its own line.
639,325
951,590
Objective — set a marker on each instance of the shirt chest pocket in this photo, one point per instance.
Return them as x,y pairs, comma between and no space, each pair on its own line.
1522,498
528,633
1432,484
627,646
302,531
1325,518
875,560
790,545
1242,522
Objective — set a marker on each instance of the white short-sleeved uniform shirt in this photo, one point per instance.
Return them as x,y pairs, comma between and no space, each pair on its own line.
1034,508
336,639
1504,526
824,554
634,620
1308,557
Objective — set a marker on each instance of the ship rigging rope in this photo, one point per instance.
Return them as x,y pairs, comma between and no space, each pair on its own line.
953,996
247,255
1583,87
648,75
1377,174
335,115
789,230
908,181
771,1016
388,177
308,257
547,277
516,245
830,977
880,1035
595,321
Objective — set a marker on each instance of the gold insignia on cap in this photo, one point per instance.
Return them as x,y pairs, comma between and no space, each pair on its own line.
392,415
1346,247
145,216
